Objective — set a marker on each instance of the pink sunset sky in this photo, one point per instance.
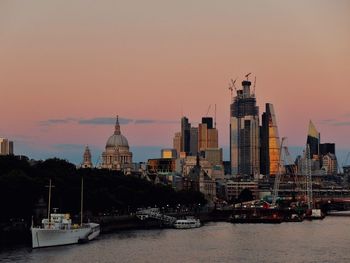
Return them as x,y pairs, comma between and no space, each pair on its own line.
68,67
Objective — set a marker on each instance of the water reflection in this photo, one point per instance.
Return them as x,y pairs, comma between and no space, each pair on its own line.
317,241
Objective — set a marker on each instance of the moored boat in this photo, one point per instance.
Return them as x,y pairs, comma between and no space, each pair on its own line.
57,229
187,223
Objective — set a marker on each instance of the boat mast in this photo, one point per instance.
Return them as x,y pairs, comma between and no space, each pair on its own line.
49,205
81,201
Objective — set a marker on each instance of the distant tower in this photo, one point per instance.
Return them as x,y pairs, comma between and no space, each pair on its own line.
87,158
185,135
313,140
6,147
177,143
244,132
270,142
207,134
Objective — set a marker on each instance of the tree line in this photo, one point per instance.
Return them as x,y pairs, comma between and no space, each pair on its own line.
23,183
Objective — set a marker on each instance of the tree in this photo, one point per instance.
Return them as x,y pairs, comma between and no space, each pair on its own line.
245,195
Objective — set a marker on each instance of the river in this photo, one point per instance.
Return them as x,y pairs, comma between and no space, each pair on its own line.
309,241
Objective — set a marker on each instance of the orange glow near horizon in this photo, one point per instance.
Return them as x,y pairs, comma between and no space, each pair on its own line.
159,61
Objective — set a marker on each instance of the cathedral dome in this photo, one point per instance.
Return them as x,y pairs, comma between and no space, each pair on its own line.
117,139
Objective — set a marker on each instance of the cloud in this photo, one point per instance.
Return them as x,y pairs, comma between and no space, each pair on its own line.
327,121
335,122
148,121
144,121
104,121
341,123
56,121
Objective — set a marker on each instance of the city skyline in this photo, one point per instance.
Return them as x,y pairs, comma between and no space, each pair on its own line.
66,72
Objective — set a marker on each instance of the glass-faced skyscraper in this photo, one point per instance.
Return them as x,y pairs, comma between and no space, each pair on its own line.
244,132
313,140
270,142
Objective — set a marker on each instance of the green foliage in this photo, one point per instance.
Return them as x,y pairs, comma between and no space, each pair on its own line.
22,185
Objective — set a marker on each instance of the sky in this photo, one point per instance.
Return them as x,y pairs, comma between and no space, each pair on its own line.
68,67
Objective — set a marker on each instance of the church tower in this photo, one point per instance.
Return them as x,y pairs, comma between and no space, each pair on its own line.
87,158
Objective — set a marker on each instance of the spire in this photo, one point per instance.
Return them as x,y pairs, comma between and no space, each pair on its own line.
117,127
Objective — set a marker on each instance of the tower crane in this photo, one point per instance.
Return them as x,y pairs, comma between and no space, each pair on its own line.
278,175
247,76
291,168
208,110
308,178
232,86
254,85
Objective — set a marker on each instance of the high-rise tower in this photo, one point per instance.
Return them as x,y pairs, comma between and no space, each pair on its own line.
313,140
269,142
244,132
185,135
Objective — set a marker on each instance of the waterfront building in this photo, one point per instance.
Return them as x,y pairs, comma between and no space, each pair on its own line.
234,188
87,158
6,147
244,132
270,142
117,155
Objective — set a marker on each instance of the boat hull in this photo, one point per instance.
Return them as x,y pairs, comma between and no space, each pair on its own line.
57,237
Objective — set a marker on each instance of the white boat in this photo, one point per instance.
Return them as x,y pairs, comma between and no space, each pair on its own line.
187,223
60,231
57,229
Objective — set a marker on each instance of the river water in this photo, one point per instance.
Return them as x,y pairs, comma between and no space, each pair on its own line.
309,241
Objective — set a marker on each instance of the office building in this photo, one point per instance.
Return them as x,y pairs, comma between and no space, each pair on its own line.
193,141
313,140
185,135
168,153
270,142
177,143
207,135
244,132
6,147
327,148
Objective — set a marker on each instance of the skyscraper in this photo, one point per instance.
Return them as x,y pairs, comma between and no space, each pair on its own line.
177,143
270,142
313,140
193,141
244,132
207,134
6,146
185,135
